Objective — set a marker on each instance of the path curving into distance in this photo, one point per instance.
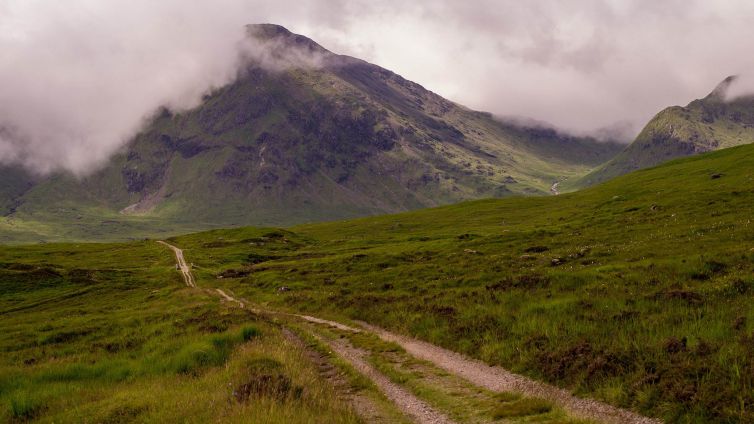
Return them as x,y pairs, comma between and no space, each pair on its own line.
188,278
229,298
493,378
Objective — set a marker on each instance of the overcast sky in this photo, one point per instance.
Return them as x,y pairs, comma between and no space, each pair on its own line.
78,77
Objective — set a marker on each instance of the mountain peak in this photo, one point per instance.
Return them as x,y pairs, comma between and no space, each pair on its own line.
721,90
279,33
269,30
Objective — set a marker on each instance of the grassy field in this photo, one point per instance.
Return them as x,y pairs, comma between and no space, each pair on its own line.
124,340
109,333
637,292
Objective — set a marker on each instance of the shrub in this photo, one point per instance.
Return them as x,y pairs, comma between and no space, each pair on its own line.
249,332
196,356
264,377
522,407
25,407
536,249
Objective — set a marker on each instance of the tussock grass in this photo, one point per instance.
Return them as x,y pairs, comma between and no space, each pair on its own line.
109,333
522,408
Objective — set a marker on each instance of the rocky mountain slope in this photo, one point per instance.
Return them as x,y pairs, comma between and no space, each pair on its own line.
712,123
307,135
14,182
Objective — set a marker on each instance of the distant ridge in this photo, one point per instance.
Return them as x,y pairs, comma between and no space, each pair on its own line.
707,124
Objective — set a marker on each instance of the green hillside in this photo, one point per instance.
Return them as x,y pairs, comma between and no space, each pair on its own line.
637,292
298,144
707,124
110,333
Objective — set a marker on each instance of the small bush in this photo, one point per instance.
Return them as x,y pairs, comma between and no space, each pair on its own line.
224,344
522,407
739,286
264,377
25,407
714,267
190,360
234,273
113,371
65,336
674,345
193,358
255,258
508,396
536,249
125,414
249,332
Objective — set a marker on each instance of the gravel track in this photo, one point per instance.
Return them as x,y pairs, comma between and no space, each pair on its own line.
477,372
333,324
501,380
412,406
229,298
188,278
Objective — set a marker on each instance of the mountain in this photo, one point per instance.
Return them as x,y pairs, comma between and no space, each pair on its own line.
714,122
14,182
305,135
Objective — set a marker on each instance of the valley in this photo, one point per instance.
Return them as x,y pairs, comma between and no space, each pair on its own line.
207,221
625,293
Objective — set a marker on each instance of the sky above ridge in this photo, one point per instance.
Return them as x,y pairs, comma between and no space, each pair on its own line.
78,78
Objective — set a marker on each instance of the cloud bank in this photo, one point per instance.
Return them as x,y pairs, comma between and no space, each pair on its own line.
77,78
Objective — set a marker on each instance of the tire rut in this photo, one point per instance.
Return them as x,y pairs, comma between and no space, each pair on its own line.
411,405
501,380
365,407
476,372
188,278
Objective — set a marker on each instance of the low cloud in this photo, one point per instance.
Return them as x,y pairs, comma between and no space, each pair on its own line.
78,78
582,65
269,46
738,86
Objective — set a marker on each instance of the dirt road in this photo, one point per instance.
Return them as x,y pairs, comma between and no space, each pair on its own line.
411,405
229,298
188,278
501,380
554,188
333,324
476,372
496,378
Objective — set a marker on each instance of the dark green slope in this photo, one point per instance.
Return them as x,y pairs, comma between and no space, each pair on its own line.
703,125
292,144
14,182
